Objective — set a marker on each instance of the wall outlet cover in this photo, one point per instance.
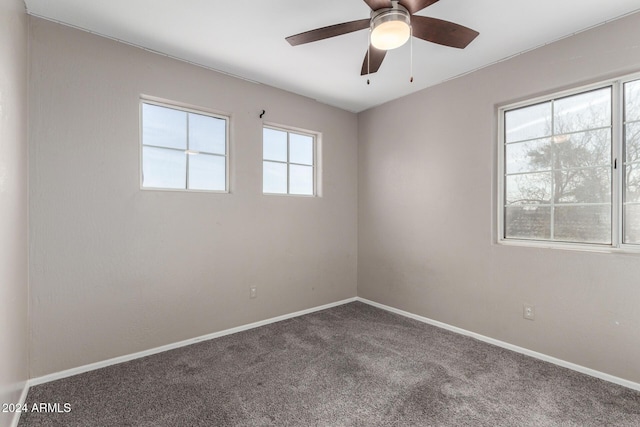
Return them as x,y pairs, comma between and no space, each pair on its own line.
528,312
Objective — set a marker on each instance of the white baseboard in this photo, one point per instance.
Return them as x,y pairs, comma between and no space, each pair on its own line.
21,401
517,349
138,355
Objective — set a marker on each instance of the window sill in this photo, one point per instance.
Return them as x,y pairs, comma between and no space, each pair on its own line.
180,190
291,195
585,247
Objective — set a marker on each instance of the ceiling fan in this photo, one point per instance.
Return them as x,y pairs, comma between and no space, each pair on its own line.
391,24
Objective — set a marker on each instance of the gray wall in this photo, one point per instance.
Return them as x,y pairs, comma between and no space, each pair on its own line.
426,214
13,203
116,270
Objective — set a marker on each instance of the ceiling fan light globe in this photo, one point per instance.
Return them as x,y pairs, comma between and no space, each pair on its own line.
390,35
390,27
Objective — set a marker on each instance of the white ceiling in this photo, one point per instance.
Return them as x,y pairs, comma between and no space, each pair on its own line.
246,38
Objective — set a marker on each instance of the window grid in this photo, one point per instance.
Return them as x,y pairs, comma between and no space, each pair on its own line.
618,170
187,151
288,163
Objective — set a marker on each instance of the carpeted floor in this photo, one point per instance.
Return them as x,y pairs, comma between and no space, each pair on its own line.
353,365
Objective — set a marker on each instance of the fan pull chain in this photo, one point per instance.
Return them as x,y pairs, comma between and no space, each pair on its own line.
411,54
369,57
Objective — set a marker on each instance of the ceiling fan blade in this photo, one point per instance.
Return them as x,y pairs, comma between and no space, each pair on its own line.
370,66
414,6
378,4
442,32
327,32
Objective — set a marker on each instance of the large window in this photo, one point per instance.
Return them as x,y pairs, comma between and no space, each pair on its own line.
631,198
570,168
288,162
183,149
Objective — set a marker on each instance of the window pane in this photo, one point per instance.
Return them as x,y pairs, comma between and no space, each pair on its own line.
632,100
207,134
528,222
632,183
207,172
274,145
632,142
583,224
274,178
582,149
301,180
528,122
632,224
584,111
300,149
163,168
164,127
534,188
583,186
530,156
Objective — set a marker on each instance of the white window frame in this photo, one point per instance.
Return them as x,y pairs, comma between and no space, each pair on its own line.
288,129
189,109
617,159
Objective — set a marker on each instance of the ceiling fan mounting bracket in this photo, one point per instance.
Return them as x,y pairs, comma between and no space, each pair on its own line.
387,14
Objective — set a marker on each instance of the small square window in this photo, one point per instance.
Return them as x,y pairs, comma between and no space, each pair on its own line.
288,162
183,149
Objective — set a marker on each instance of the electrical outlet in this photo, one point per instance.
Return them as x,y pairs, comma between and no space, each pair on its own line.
529,312
253,292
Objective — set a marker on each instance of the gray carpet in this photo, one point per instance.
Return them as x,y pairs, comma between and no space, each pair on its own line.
353,365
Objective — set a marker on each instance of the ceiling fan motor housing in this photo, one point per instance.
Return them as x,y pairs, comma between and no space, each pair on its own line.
390,27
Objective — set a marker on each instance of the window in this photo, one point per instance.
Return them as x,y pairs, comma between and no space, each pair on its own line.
631,198
183,149
288,162
561,179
